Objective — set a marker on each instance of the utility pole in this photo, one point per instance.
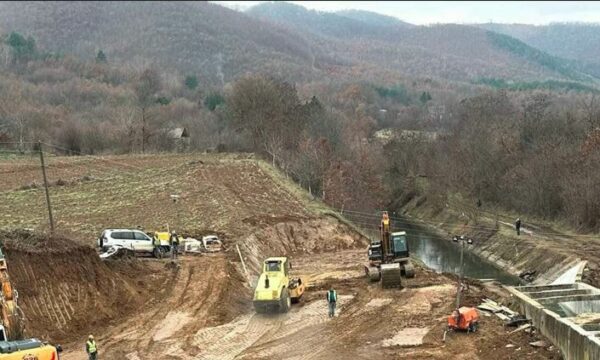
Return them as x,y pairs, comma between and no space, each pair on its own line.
175,199
46,187
460,276
462,240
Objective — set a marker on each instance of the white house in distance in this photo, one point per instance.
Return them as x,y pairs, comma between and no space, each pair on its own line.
180,137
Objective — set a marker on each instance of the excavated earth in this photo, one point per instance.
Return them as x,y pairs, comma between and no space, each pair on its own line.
199,307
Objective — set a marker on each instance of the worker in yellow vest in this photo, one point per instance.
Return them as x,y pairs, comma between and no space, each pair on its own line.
91,348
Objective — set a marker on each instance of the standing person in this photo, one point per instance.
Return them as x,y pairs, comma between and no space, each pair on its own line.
518,226
331,300
174,242
91,348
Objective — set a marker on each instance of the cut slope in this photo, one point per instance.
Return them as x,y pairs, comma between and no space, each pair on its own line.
65,290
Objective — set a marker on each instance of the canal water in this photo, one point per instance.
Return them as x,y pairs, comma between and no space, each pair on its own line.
443,255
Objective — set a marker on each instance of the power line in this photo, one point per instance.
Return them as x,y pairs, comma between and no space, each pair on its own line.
467,226
94,157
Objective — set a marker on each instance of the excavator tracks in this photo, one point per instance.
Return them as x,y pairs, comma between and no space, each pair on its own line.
408,270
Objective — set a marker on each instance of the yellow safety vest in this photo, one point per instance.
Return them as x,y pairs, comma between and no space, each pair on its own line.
91,345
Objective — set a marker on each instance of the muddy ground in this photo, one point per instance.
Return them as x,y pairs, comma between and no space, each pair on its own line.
200,307
201,318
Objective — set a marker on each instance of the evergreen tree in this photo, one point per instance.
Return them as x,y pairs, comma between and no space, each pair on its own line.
425,97
213,100
191,81
101,57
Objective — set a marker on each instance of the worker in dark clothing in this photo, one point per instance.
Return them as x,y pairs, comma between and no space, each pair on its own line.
518,226
331,301
91,348
174,242
479,203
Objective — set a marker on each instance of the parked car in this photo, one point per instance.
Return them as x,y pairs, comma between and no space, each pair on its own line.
210,243
134,240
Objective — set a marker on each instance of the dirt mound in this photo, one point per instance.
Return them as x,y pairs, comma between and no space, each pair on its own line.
298,235
34,242
65,290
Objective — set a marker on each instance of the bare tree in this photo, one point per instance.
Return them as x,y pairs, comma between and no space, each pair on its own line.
13,110
146,87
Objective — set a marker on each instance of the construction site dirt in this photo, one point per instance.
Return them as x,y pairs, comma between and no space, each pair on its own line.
200,307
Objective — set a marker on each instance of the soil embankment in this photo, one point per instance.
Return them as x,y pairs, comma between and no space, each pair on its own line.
65,290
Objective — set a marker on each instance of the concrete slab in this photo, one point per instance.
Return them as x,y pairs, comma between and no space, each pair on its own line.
592,328
559,292
572,275
569,298
551,316
535,288
406,337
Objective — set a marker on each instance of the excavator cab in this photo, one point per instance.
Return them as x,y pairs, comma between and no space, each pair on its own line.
400,244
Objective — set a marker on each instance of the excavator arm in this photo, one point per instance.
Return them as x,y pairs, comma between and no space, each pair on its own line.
11,313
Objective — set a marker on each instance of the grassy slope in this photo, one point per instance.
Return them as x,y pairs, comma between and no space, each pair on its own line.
127,191
311,203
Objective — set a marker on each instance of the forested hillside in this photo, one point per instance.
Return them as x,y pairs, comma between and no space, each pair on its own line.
207,39
219,44
577,41
454,52
356,109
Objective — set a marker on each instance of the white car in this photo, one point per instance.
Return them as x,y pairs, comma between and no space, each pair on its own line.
210,243
135,240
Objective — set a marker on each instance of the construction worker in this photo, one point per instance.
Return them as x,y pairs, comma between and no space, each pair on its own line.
331,301
91,348
174,242
518,226
156,245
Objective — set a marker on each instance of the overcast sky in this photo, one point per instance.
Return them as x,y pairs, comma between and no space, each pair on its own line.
430,12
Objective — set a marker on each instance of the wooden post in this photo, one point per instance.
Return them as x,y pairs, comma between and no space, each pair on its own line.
243,264
46,187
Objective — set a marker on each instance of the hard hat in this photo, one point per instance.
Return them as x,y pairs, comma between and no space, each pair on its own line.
91,337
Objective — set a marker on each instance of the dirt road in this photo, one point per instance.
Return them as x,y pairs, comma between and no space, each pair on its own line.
194,322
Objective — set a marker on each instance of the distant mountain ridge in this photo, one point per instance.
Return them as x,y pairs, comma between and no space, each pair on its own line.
576,41
283,40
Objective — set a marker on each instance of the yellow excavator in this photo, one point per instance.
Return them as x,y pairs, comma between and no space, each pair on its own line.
12,317
389,258
276,290
30,349
12,327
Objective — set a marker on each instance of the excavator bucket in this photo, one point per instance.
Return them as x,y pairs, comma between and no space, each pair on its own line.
391,275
